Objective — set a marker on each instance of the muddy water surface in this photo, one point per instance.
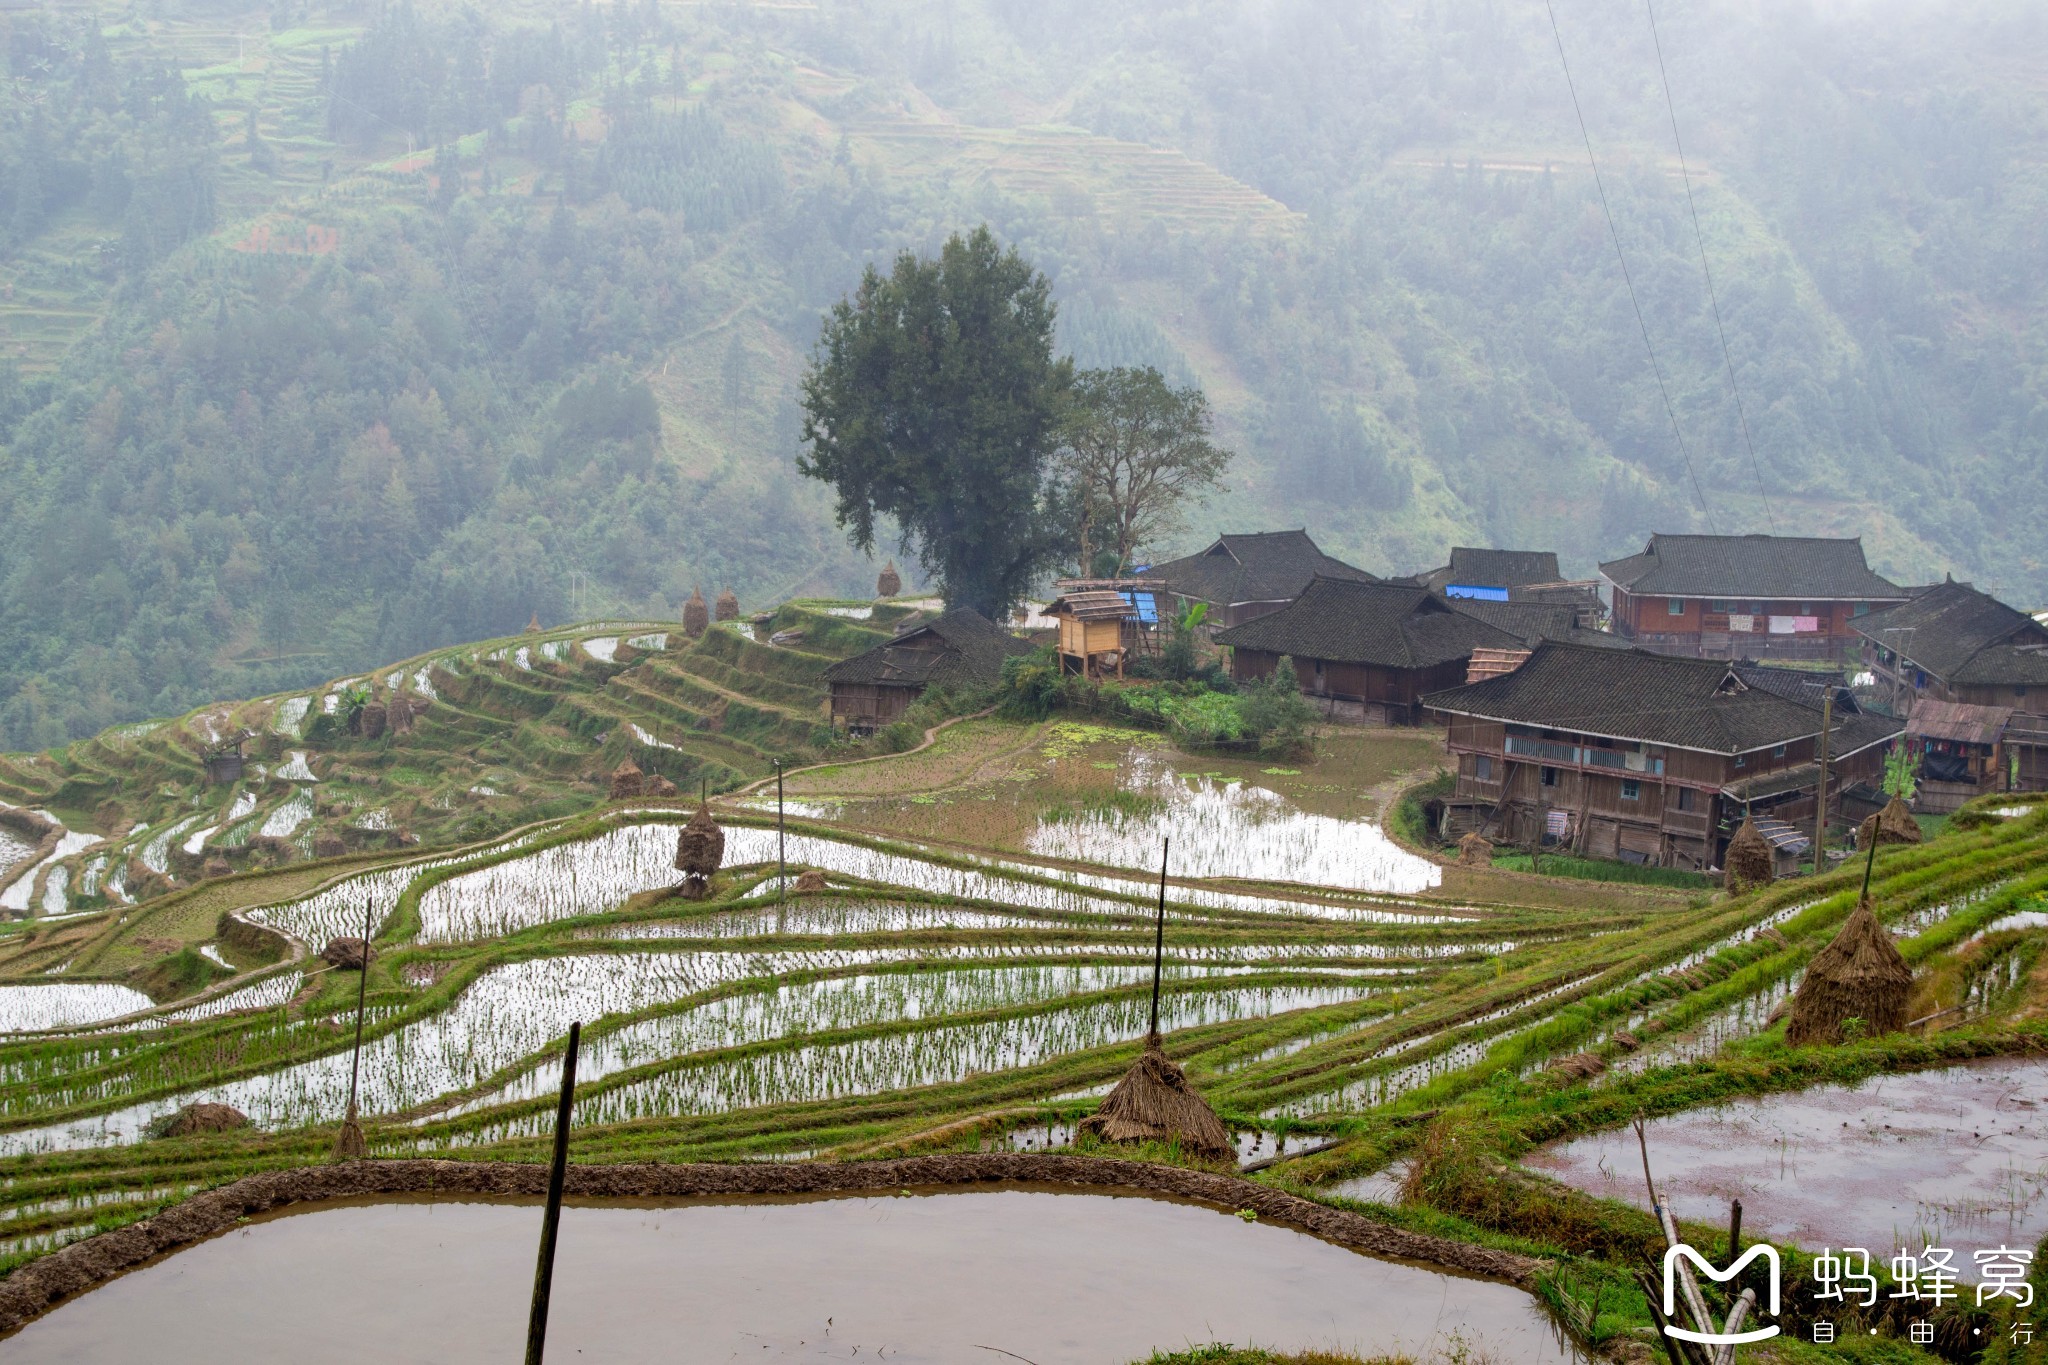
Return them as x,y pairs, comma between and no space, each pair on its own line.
1048,1277
1956,1157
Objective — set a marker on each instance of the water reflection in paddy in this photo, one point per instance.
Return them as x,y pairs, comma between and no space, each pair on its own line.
1049,1277
1956,1157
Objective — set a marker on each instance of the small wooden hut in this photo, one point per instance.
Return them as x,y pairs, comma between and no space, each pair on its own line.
888,583
224,760
1858,976
1092,629
696,614
728,607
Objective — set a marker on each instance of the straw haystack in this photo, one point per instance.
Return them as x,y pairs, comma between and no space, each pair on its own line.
1153,1103
199,1118
372,720
809,881
728,608
700,848
696,614
889,583
1858,976
328,844
659,786
627,781
1892,825
346,954
1475,850
399,711
1750,860
1583,1066
533,624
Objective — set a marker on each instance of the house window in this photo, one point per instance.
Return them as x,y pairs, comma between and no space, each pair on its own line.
1723,606
1742,760
1686,797
1860,609
1778,752
1675,606
2019,690
1631,790
1550,777
1482,767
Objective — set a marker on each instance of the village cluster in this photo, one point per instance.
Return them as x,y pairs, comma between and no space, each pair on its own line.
1643,716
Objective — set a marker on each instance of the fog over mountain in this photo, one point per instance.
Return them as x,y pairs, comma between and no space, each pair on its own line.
333,333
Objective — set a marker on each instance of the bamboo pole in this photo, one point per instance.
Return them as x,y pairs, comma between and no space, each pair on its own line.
348,1143
551,1219
1820,795
1158,944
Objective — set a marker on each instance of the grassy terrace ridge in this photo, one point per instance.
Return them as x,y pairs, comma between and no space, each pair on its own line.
504,732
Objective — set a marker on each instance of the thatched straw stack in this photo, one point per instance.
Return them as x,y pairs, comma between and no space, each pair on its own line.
533,624
700,848
1892,825
696,614
199,1118
659,786
810,881
1858,976
728,608
372,720
1153,1103
627,781
1750,860
889,583
1475,850
1583,1066
349,1144
399,711
346,954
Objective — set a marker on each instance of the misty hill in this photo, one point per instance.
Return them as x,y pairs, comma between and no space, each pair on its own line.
345,333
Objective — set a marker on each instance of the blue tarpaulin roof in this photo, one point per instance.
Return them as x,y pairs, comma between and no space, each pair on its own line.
1476,592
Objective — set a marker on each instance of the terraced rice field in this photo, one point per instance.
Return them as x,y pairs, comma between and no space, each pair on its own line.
935,996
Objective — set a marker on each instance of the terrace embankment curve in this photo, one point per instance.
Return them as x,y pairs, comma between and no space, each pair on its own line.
40,1286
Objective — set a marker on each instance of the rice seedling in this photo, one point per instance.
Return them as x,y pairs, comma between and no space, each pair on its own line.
16,896
39,1007
269,993
603,648
295,768
898,1061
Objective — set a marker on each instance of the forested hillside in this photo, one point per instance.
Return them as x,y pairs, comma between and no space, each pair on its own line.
334,333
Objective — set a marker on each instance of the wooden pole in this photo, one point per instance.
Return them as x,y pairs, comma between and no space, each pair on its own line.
551,1219
781,840
348,1143
1158,944
1869,862
1820,795
1734,1228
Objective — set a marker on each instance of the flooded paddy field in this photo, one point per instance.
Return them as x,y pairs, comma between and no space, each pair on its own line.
1104,795
1954,1156
1051,1277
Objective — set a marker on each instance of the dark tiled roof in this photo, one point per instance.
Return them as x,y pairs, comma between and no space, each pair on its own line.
1268,566
1807,686
1500,568
1961,635
969,649
1763,568
1369,623
1686,703
1534,622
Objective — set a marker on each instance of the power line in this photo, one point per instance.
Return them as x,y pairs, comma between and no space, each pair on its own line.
1613,232
1685,175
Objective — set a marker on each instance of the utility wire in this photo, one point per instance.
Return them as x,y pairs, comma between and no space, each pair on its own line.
1613,232
1763,490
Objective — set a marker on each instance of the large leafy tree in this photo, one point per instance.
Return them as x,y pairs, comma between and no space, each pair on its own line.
1136,449
934,399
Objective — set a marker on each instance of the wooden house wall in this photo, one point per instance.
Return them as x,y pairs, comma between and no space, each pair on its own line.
871,703
1397,690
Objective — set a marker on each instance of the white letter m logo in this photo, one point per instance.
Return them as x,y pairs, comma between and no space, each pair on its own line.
1765,1252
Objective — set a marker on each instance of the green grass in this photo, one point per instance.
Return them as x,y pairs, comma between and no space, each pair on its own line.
1599,870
